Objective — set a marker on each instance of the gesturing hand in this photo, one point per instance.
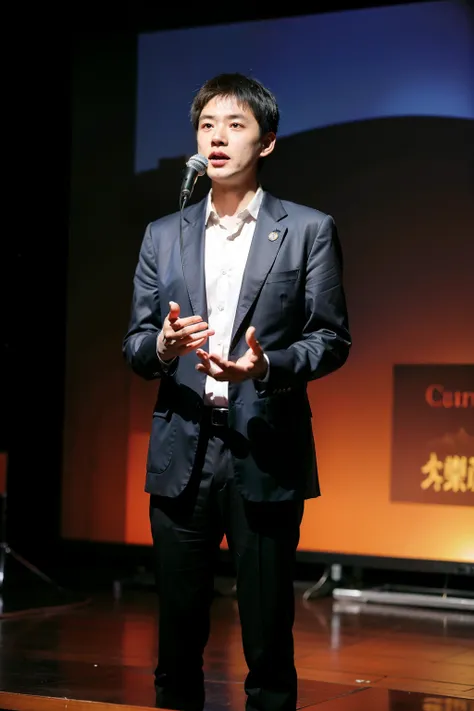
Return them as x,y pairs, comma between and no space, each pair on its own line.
251,365
181,335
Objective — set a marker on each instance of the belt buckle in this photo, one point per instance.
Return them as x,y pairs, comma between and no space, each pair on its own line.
219,416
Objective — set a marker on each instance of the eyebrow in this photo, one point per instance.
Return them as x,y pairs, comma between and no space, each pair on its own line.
230,116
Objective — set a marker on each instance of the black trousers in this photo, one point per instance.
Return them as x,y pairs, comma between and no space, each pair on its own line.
262,537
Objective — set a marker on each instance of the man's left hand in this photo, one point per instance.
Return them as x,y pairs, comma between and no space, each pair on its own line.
252,365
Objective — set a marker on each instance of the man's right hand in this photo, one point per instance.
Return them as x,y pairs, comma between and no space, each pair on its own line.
181,335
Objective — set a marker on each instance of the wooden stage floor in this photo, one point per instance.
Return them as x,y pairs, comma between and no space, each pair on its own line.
100,656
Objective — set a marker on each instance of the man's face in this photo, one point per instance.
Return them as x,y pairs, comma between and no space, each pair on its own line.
229,137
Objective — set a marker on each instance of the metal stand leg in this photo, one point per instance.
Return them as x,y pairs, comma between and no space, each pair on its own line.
9,598
330,578
6,550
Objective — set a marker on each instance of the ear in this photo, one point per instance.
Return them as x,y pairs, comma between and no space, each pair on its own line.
267,143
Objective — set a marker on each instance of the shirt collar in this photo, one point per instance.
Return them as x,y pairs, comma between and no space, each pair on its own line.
251,210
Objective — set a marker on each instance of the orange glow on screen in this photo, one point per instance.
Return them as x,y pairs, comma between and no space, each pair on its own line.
404,214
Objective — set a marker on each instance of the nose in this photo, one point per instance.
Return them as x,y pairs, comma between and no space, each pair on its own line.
219,137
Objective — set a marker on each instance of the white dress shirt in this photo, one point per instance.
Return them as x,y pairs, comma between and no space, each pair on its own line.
227,245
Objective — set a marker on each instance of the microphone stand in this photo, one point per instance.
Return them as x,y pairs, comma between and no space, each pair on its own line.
142,578
5,548
183,198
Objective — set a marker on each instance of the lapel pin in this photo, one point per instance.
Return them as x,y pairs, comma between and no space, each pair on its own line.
273,235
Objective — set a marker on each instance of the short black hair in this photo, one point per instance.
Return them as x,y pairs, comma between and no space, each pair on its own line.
246,91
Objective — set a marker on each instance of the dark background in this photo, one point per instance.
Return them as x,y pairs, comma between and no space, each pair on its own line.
34,251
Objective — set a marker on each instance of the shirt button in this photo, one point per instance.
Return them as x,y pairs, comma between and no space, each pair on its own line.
224,272
221,307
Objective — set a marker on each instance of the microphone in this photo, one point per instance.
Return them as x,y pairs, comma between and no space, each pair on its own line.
195,167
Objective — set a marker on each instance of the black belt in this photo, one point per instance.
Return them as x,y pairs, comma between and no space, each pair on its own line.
216,416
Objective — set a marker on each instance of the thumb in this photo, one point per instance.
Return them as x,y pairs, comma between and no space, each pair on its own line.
251,339
174,311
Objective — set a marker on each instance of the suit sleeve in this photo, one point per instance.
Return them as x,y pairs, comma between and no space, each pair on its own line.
325,342
139,343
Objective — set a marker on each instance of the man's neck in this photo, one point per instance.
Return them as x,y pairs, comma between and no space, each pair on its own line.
230,201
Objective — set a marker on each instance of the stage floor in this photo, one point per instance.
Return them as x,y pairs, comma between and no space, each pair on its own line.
363,658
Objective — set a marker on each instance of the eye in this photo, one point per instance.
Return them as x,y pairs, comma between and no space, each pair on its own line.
235,124
206,125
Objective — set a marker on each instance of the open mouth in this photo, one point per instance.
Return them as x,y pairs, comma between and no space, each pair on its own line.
218,159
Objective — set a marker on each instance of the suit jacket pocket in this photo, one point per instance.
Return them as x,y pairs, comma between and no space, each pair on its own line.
291,275
161,444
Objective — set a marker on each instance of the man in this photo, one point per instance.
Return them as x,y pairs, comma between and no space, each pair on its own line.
234,319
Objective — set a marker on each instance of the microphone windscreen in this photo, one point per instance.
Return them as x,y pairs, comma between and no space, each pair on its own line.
199,163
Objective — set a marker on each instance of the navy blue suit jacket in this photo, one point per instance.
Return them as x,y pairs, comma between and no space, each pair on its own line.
292,292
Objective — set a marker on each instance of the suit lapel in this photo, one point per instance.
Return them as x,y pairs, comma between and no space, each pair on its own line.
192,257
268,237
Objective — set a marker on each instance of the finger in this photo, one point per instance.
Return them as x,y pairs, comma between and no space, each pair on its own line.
193,345
208,371
250,337
219,361
205,366
203,355
194,339
203,369
206,334
174,311
193,331
186,321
